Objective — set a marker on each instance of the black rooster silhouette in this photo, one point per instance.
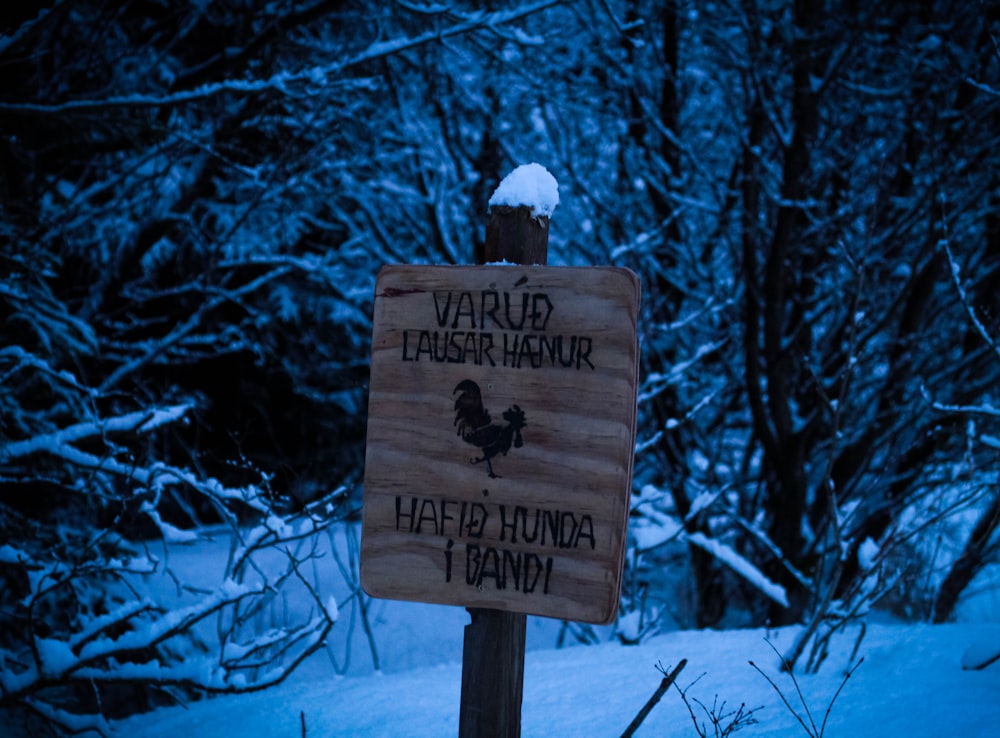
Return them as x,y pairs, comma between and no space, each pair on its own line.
475,426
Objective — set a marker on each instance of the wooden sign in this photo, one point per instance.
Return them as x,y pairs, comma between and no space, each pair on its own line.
501,433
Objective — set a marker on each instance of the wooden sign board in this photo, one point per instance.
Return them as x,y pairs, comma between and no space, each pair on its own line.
501,434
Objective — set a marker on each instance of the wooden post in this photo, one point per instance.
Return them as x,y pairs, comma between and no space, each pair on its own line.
493,651
515,235
492,674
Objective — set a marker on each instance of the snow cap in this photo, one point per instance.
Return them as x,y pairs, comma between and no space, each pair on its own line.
530,185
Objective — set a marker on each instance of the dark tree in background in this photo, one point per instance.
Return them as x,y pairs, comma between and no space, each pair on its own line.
195,199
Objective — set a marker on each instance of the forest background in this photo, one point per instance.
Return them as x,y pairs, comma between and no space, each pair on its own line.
196,197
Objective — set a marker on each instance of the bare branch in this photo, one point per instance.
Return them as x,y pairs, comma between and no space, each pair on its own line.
311,80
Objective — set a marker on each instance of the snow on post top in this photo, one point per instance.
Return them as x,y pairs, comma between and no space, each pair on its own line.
530,185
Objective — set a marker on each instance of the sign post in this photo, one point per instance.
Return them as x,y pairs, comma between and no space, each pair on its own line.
501,435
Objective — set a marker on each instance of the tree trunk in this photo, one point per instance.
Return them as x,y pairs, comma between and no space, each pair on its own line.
969,563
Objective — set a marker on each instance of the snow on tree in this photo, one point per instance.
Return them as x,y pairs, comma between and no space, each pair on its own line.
195,203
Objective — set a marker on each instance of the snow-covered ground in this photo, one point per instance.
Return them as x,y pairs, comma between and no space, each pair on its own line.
910,684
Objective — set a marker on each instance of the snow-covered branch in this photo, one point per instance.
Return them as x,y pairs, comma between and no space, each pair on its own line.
306,81
157,347
140,422
981,409
154,477
956,279
654,384
100,655
731,558
141,640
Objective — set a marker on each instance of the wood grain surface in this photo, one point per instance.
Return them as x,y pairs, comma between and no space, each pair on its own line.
501,433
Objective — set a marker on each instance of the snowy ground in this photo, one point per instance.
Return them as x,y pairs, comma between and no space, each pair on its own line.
910,684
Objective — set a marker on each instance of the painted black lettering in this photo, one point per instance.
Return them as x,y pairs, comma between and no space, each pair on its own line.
400,514
550,523
442,310
485,349
428,514
510,350
476,524
494,306
466,309
519,325
530,583
540,319
453,351
586,531
447,559
547,345
445,516
567,530
506,525
469,348
512,567
440,344
583,354
567,361
424,346
472,561
523,511
527,350
490,568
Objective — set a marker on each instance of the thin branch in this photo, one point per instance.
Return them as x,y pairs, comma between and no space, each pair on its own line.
843,682
956,280
623,28
783,698
189,325
140,421
665,683
986,410
317,77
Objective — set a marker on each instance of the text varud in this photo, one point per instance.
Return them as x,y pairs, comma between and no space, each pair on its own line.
496,328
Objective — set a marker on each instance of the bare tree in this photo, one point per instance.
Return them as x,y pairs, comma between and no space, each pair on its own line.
195,202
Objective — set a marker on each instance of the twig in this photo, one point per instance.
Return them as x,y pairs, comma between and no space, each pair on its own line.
847,675
811,729
784,699
956,280
283,80
667,680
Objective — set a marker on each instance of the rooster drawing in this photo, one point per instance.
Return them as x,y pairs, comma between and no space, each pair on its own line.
475,426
